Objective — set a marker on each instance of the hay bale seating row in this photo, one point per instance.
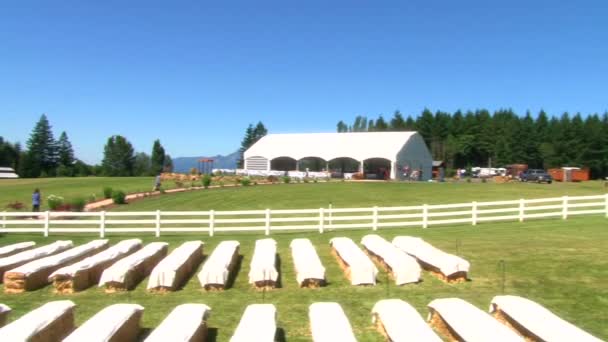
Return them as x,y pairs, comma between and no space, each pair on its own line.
447,267
219,266
22,258
87,272
329,323
258,320
534,322
35,274
263,273
397,320
357,266
52,321
16,248
459,320
186,323
114,323
128,272
309,269
173,270
402,267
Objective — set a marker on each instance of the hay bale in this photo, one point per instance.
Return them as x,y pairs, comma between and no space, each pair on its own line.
115,323
52,321
187,322
172,271
125,274
23,258
220,266
15,248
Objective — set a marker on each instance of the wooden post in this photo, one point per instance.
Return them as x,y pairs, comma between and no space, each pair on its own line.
158,223
321,219
474,213
425,217
102,224
522,208
211,222
564,207
267,221
375,218
47,218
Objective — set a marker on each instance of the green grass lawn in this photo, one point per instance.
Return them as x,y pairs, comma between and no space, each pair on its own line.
560,264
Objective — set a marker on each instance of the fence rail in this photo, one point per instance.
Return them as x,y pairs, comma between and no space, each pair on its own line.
320,220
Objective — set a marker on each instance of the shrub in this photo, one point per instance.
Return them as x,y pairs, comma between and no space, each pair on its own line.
272,179
246,181
78,204
64,207
286,179
119,197
484,180
306,180
92,198
107,192
206,181
468,179
15,205
315,180
221,184
55,202
179,184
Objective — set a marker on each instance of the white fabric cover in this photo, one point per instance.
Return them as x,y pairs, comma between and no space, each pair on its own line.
328,323
104,324
10,249
215,270
362,269
34,321
405,268
180,324
257,324
263,261
540,321
306,261
118,271
164,273
114,252
402,322
36,253
470,323
4,308
58,259
447,263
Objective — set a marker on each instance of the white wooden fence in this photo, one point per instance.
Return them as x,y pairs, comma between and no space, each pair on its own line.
321,219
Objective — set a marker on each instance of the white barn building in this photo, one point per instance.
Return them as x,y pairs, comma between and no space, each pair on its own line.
393,155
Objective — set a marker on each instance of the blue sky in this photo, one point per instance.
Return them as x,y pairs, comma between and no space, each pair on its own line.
195,74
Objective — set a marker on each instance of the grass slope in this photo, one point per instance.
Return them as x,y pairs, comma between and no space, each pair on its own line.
348,194
560,264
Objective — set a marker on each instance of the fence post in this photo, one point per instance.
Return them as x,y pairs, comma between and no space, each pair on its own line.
211,222
102,224
331,210
522,207
564,207
474,213
321,219
425,215
375,219
267,221
47,218
157,223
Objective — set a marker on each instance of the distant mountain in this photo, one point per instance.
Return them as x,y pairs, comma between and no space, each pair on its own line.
184,164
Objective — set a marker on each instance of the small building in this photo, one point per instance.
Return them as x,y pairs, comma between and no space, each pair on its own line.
7,172
438,166
378,155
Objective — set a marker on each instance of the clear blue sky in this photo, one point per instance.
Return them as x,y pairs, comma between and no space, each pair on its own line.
194,74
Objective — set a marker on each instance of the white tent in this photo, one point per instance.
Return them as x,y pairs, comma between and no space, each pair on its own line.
7,172
399,151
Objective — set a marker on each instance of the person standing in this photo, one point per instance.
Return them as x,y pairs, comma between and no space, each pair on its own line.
157,183
36,200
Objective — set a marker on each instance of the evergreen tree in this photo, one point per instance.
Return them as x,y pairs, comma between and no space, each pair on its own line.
252,135
397,122
342,127
142,164
65,151
380,125
157,159
9,154
168,164
42,149
118,157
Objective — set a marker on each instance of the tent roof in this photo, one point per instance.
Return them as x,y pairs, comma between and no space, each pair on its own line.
328,146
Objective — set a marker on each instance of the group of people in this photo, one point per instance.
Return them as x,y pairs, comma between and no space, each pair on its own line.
413,175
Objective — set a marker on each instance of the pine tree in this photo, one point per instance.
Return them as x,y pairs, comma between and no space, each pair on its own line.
380,125
342,127
118,157
142,164
245,144
168,164
397,122
65,151
157,160
42,149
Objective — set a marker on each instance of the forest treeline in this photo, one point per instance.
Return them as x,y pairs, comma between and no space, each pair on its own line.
481,138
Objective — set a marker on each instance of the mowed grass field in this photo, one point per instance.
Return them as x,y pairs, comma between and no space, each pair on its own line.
561,264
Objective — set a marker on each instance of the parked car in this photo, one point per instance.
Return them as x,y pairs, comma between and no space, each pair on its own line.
535,175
